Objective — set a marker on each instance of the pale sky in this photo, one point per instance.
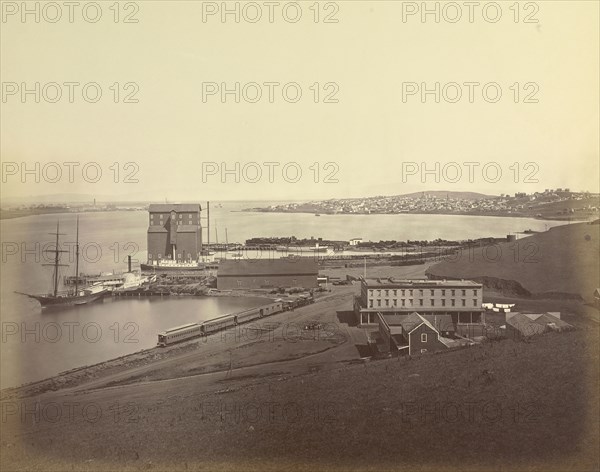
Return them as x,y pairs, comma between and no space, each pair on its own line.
370,135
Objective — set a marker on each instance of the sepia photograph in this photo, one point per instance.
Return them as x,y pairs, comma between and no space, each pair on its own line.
312,235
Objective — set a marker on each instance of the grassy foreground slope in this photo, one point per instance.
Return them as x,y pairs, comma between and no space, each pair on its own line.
505,405
564,260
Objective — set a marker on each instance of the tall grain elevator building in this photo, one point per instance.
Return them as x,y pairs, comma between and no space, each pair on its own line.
174,232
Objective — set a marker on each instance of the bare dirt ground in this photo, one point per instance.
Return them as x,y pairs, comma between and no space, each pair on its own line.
306,401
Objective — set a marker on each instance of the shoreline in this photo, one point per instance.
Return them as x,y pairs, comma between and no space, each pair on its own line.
3,216
578,220
78,377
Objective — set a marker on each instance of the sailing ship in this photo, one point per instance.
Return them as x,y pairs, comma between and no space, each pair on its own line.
58,299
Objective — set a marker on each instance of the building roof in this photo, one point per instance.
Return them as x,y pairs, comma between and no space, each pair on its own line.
268,267
414,320
440,322
525,325
419,283
392,322
405,310
547,318
157,229
168,207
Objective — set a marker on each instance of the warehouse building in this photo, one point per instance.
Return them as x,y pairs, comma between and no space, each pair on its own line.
460,299
267,273
174,232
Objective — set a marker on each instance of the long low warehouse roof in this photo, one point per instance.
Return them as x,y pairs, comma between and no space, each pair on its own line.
268,267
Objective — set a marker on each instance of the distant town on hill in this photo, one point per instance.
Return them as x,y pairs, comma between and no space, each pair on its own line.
556,204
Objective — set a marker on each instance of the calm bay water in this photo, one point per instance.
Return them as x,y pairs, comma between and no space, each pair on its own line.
45,344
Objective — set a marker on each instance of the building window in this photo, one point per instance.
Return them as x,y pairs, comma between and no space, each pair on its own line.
464,302
371,293
420,291
423,337
149,256
395,302
411,293
464,292
403,292
378,293
387,302
239,283
432,293
378,302
432,302
370,303
420,301
453,302
395,293
443,293
443,302
474,302
411,302
387,293
403,302
453,292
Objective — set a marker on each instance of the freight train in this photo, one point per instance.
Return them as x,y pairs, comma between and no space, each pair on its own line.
192,330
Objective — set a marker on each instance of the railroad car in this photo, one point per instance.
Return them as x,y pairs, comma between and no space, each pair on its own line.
179,333
191,330
248,315
217,324
272,308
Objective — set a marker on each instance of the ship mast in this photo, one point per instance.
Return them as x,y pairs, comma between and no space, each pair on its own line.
56,264
77,259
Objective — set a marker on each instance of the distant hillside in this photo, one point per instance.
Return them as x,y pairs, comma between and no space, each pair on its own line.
444,194
49,199
560,262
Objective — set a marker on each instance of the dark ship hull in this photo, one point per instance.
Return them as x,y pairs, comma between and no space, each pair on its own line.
50,301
